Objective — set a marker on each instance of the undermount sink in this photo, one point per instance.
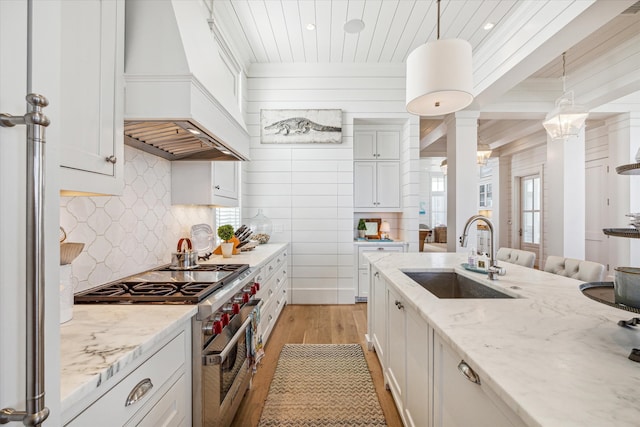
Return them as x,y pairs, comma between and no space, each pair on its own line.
451,285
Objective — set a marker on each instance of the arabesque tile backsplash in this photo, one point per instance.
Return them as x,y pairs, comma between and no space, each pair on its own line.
127,234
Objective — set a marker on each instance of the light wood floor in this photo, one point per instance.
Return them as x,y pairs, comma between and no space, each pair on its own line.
313,324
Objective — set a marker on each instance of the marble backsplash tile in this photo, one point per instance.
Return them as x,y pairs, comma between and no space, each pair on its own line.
127,234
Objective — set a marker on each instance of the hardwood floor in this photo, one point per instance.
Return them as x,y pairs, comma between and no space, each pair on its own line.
313,324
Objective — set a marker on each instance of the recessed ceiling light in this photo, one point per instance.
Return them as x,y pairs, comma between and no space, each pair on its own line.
194,131
353,26
489,25
311,27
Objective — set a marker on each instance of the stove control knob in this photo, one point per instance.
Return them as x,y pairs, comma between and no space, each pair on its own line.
257,285
225,319
217,327
253,290
246,297
236,308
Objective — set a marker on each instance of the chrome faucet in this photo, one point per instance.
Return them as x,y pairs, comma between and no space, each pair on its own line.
493,271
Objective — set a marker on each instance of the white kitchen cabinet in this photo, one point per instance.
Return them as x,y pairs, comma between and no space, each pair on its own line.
377,322
163,382
376,186
273,279
205,183
92,96
416,407
362,265
376,145
460,402
396,347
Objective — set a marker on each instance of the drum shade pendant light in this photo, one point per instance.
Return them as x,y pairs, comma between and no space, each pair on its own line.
439,76
567,118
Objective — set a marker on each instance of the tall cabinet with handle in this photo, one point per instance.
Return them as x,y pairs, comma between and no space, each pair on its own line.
92,51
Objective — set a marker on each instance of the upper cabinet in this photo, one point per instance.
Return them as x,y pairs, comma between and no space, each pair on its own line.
376,145
92,96
205,183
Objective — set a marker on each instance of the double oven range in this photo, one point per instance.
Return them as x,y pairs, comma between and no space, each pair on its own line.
224,294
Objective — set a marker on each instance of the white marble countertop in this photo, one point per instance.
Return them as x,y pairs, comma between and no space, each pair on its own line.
103,339
556,357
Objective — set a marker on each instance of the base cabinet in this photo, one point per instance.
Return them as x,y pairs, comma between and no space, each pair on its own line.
273,279
362,265
422,371
461,399
155,393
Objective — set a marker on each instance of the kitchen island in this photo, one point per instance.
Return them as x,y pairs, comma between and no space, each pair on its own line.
551,355
104,343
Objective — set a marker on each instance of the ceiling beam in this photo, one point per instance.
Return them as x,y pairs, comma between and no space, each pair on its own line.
532,38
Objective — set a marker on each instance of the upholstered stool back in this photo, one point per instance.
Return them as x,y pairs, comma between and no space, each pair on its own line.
517,256
587,271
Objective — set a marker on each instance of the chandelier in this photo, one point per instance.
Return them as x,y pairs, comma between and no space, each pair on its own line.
566,119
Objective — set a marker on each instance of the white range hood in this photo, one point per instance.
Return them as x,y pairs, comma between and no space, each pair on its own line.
179,99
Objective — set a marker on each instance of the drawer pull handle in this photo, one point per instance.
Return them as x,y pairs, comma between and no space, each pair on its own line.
381,249
270,291
139,391
399,305
468,372
270,318
112,159
376,274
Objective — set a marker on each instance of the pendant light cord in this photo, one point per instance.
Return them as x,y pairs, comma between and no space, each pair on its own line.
438,1
564,70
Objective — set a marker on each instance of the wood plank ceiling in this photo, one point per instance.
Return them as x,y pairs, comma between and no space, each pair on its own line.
275,31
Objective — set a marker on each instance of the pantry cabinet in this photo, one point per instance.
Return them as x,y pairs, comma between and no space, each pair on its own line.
155,392
205,183
92,96
376,186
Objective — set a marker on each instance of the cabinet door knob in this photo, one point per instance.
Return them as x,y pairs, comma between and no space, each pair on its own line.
139,391
399,305
112,159
376,274
468,372
217,187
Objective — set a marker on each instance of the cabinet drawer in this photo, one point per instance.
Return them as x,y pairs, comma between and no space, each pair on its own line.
170,411
111,409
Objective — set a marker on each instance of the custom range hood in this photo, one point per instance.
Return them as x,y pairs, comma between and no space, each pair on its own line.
180,100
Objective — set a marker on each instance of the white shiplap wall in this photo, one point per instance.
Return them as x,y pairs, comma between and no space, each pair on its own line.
307,189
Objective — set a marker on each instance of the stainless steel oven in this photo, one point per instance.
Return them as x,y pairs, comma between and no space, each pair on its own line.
226,369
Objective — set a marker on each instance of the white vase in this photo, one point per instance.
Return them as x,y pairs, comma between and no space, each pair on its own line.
361,233
227,249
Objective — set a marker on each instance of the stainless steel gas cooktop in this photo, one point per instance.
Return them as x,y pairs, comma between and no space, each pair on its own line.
164,286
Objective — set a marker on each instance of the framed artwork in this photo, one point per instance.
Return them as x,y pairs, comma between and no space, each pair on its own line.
301,126
373,228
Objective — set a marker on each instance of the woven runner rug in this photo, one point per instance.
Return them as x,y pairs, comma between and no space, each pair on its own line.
322,385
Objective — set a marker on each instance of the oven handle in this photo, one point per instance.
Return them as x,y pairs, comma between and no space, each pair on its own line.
217,359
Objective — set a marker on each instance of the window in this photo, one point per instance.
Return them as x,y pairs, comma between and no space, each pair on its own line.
486,196
438,200
227,216
530,194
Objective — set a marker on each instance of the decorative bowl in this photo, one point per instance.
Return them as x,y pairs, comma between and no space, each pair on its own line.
626,286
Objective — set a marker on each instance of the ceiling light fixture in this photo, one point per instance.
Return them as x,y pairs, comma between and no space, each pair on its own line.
483,154
443,167
566,119
353,26
311,26
439,76
488,26
194,131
